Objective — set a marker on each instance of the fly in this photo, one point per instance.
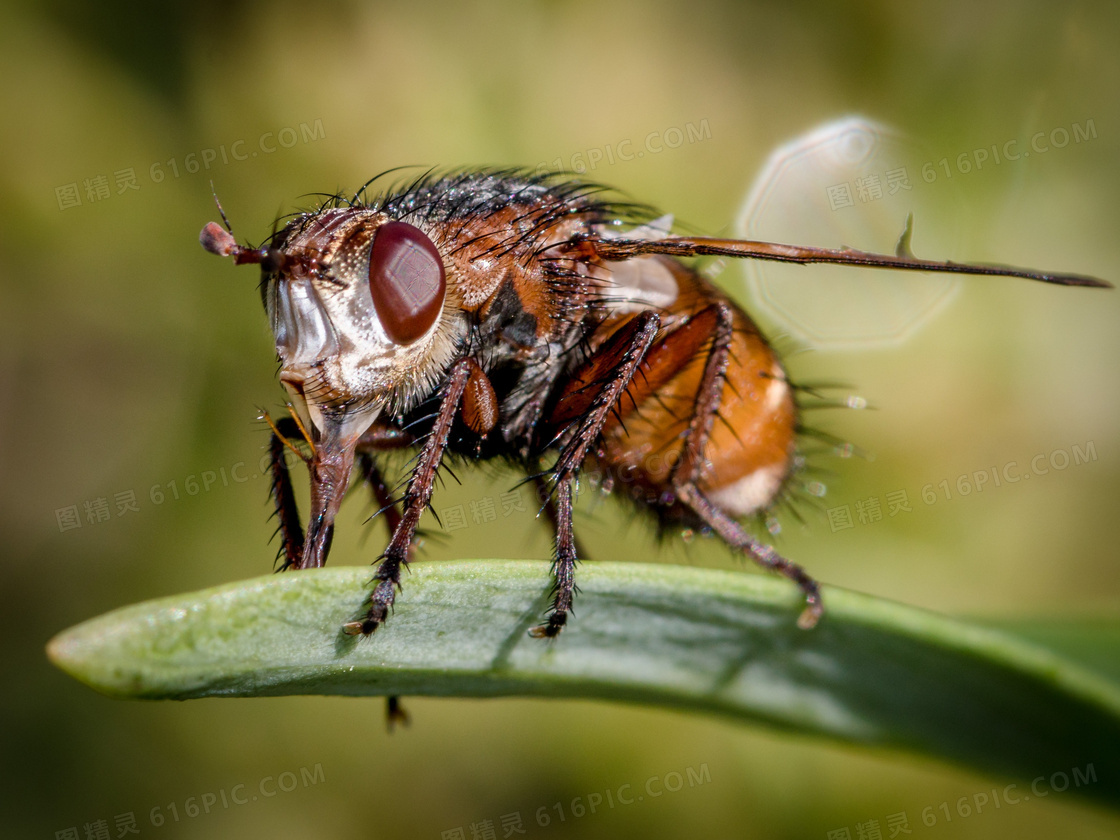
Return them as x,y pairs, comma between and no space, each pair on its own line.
503,314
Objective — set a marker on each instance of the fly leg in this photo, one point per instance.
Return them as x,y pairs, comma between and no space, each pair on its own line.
283,496
595,391
394,712
293,547
382,497
552,511
687,473
381,437
416,498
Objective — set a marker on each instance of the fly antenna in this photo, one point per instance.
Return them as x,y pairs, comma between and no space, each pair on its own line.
221,212
221,241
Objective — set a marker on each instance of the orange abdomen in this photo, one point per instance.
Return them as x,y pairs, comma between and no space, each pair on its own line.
750,450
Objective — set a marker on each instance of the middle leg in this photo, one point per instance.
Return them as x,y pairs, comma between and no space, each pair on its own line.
611,368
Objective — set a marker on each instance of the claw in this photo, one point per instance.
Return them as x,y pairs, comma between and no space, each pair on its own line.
359,628
811,615
550,629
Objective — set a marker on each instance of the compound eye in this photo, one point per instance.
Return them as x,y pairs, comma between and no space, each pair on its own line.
406,280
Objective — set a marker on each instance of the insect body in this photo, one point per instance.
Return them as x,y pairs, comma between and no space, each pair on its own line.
500,314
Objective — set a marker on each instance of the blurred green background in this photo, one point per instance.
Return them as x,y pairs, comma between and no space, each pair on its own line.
134,361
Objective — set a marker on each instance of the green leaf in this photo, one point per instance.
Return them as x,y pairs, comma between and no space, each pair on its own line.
873,672
1093,642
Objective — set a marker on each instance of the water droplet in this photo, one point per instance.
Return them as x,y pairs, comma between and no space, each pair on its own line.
687,534
845,450
855,401
816,488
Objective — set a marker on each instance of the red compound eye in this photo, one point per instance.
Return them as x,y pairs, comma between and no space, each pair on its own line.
406,280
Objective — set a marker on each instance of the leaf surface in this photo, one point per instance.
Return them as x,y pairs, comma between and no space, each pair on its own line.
873,672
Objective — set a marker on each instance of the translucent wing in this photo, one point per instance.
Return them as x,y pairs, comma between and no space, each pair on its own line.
851,182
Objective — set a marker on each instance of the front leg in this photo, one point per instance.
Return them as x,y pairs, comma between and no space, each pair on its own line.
382,436
416,498
282,494
395,713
